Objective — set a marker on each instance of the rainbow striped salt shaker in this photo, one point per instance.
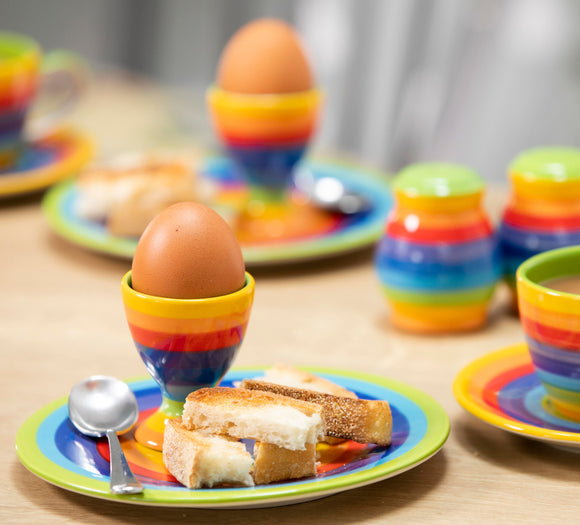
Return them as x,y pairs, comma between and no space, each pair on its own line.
438,260
543,211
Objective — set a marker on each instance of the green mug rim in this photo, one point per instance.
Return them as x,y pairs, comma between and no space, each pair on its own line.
20,46
551,264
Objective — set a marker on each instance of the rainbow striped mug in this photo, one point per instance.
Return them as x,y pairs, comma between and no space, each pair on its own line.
548,292
438,260
22,70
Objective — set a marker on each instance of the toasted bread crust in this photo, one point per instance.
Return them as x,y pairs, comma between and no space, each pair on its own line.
282,374
362,420
242,398
273,463
186,455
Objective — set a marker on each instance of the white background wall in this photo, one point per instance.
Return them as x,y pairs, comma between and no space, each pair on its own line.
470,81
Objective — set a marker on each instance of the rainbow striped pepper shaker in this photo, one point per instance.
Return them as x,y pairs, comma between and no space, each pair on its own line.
543,212
438,260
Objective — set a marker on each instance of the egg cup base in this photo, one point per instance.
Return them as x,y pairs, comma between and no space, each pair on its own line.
149,432
262,222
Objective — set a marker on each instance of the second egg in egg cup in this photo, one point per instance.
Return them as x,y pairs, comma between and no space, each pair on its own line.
186,344
266,136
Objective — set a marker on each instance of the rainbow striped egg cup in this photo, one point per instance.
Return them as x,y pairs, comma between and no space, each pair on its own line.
186,344
543,212
438,260
266,136
550,319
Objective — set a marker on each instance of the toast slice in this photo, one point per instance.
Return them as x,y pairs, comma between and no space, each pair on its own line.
362,420
201,460
254,414
273,463
282,374
287,375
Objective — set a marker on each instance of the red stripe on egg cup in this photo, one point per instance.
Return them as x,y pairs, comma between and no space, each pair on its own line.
188,342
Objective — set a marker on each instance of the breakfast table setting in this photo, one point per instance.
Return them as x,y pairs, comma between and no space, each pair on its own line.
474,439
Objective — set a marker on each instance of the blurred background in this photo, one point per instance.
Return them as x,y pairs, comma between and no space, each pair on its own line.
469,81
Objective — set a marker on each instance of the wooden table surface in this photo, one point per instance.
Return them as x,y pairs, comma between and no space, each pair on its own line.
61,319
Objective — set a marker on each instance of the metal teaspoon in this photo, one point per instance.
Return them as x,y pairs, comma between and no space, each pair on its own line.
102,405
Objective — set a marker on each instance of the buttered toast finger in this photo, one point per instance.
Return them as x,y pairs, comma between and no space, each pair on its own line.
362,420
253,414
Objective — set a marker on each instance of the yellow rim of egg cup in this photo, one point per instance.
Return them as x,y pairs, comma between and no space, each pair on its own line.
270,104
183,308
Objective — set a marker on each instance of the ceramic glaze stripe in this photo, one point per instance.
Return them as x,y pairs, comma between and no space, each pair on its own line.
425,277
413,252
264,131
546,189
235,303
561,338
552,358
20,98
264,105
188,341
483,372
283,140
528,221
535,241
425,234
491,390
170,325
547,318
179,373
449,297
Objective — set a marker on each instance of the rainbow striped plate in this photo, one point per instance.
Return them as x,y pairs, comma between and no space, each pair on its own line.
502,389
347,234
50,447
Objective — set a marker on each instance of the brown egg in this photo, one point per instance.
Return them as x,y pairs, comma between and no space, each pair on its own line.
188,251
264,56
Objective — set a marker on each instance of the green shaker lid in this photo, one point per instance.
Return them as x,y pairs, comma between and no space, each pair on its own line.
437,179
548,163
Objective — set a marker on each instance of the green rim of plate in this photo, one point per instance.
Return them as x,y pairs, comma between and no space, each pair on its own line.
437,431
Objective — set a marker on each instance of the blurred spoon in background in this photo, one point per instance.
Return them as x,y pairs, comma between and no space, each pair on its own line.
329,193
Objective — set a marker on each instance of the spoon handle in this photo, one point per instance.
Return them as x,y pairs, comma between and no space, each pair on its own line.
122,479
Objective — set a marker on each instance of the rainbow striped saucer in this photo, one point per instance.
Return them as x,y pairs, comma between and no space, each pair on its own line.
501,388
46,161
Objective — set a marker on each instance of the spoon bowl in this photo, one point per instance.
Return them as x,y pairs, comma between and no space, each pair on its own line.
102,405
330,194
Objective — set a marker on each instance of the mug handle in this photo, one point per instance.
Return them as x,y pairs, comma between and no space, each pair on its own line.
64,78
